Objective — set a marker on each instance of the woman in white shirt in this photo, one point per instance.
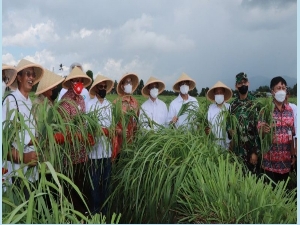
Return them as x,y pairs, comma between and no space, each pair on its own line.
100,156
219,94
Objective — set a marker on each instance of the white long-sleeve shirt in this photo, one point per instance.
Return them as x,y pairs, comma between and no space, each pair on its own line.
215,120
102,149
175,107
156,110
25,105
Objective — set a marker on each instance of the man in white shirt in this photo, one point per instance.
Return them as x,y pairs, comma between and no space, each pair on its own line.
153,109
84,92
100,156
23,153
183,85
219,94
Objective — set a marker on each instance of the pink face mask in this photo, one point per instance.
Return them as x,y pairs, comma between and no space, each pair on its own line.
77,87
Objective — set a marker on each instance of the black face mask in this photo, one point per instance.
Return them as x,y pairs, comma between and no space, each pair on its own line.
102,93
243,89
55,93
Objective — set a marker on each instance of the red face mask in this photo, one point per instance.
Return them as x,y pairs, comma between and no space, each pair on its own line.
77,87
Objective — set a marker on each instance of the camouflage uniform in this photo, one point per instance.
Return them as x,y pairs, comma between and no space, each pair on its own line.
248,141
247,134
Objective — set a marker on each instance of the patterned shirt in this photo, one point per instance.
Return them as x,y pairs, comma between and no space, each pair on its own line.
247,133
72,105
278,158
128,103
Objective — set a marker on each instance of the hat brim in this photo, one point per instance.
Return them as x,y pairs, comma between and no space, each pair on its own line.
49,87
67,83
135,83
109,82
192,85
146,91
211,95
10,72
39,71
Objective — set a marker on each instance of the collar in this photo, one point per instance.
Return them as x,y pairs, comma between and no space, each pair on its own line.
23,98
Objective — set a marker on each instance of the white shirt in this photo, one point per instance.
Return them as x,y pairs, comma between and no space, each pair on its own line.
175,107
156,110
102,149
25,105
294,108
85,94
215,120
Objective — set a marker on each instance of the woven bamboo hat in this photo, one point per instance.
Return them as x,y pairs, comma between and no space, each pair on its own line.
23,64
76,73
211,95
184,77
48,81
146,91
10,72
134,79
99,79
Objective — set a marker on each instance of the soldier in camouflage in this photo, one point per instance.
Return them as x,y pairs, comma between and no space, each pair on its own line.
248,142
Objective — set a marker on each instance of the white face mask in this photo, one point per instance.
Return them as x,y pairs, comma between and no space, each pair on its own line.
280,95
184,89
219,99
154,92
128,88
3,88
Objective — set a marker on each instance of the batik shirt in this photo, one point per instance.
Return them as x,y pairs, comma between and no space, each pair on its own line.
72,105
247,133
278,158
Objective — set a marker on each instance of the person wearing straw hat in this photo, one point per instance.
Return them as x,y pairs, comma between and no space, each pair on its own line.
153,109
45,87
248,141
9,74
28,74
72,104
84,93
100,156
126,86
219,94
183,85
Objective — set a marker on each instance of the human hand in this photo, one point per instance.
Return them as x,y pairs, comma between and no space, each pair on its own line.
265,127
30,158
174,120
207,130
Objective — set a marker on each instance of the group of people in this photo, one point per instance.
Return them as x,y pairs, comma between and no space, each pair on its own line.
152,114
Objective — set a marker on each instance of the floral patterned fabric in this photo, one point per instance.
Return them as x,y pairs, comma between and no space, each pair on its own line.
278,158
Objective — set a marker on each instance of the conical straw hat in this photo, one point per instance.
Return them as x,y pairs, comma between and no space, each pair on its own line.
76,73
10,72
184,77
23,64
99,79
210,93
135,83
48,81
161,86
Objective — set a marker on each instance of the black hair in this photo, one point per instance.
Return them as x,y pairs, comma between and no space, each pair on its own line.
277,80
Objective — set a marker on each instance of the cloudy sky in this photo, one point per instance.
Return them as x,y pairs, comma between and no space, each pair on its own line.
210,40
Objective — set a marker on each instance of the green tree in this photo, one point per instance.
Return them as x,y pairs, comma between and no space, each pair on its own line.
263,89
138,91
203,92
114,90
90,74
194,92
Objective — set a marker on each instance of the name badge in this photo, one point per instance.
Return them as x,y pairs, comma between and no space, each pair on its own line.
290,135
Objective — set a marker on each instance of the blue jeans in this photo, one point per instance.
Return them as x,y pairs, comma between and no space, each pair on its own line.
100,170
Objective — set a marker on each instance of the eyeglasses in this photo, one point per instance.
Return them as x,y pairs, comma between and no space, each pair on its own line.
29,73
102,87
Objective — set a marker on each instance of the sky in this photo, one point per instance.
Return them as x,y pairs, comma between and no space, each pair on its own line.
210,40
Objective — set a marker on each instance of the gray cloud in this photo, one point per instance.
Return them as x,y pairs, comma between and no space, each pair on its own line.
209,40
